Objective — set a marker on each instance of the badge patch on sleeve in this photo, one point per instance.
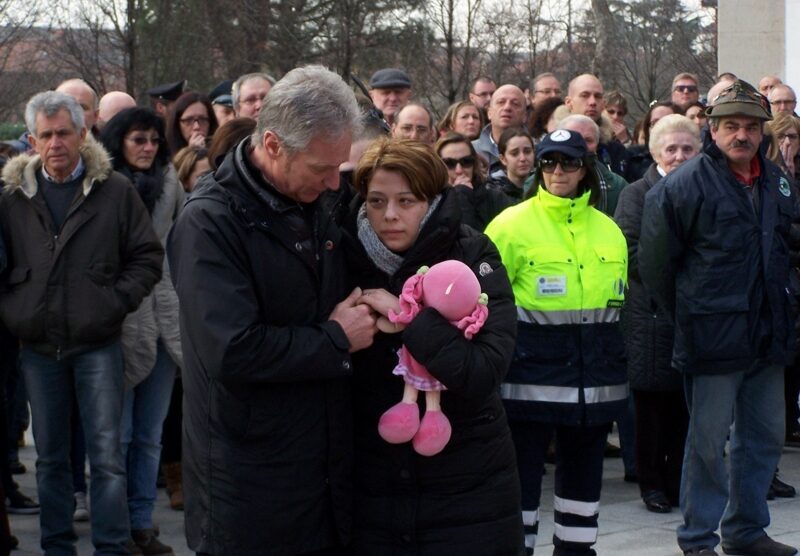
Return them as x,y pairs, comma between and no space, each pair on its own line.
550,286
783,187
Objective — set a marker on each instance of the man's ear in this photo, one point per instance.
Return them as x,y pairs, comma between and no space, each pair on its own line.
272,144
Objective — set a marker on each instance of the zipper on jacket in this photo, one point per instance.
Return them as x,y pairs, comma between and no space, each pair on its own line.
58,353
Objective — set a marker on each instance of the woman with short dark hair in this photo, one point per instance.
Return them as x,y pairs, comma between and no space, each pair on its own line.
150,335
464,499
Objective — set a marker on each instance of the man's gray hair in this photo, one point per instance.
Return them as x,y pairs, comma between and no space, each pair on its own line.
51,103
781,87
237,85
580,118
307,102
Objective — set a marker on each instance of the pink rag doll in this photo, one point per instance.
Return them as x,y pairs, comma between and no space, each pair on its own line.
451,288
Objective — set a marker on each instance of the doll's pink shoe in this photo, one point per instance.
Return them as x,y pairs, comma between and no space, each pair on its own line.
433,435
400,423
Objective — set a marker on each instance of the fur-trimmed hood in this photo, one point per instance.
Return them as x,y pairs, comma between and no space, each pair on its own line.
20,171
606,129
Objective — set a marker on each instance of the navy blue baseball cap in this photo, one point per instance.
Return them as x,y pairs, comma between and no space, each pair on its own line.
568,143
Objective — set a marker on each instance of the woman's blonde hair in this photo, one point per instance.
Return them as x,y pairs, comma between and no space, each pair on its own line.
185,161
780,124
416,162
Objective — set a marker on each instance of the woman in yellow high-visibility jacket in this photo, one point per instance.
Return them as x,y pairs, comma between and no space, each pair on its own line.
567,262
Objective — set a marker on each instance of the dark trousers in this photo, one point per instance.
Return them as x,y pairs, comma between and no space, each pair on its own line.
9,355
578,479
338,551
173,425
661,424
791,384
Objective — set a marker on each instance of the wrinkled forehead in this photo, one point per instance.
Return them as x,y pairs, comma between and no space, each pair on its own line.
741,121
507,93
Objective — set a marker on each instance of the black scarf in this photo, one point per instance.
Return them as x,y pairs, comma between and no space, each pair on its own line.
149,184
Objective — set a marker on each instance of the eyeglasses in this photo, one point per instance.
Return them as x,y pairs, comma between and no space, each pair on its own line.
568,165
466,162
685,88
788,102
548,91
191,120
140,140
789,136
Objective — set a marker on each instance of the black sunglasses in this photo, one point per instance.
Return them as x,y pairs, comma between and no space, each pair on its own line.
466,162
568,165
686,88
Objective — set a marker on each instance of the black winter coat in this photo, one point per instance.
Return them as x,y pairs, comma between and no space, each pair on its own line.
505,185
648,331
479,205
67,291
639,161
720,267
267,426
466,499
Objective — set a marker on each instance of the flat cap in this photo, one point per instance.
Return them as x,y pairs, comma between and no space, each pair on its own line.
168,91
390,78
740,98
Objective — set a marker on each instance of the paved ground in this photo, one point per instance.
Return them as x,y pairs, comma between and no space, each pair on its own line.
626,528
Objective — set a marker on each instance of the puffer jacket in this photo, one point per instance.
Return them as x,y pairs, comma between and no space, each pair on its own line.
480,204
465,499
67,291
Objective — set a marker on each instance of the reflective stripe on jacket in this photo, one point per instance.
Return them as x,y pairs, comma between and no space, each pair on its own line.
568,266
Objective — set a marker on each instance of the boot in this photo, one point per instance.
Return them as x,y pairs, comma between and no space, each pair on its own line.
174,478
149,544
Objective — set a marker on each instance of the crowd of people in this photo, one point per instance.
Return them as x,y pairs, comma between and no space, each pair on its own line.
224,291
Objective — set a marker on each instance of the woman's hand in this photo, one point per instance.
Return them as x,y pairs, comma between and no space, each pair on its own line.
462,179
380,301
197,140
788,153
620,131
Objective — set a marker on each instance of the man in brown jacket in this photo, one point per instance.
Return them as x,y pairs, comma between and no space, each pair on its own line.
82,253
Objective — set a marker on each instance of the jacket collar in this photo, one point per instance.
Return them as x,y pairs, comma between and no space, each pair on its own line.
20,172
562,207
